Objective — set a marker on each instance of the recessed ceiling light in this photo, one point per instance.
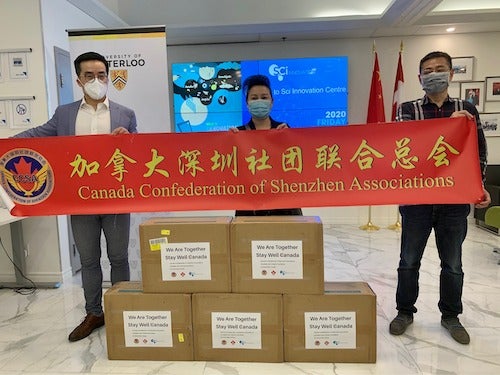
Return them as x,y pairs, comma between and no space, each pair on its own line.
450,29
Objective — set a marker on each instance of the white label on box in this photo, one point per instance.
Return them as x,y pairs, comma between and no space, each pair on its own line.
186,261
147,328
277,260
236,330
330,330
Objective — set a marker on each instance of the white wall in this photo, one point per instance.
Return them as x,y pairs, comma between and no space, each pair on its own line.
55,35
40,25
23,29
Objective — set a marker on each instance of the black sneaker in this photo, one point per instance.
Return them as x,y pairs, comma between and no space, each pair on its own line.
400,323
456,329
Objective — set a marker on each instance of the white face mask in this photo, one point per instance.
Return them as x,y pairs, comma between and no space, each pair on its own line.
260,108
96,89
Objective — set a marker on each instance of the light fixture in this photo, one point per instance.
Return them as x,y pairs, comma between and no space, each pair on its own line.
450,29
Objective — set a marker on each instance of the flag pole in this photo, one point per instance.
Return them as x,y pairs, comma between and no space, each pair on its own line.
397,225
369,226
396,100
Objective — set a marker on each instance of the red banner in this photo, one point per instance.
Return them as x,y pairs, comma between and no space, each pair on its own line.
431,161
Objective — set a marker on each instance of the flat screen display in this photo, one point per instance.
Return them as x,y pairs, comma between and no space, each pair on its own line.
307,92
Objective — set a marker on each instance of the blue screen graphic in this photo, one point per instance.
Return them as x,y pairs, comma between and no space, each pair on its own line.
307,92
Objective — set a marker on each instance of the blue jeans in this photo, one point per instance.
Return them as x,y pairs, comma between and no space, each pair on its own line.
87,234
450,228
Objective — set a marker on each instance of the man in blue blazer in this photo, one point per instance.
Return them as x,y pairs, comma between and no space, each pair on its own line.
93,114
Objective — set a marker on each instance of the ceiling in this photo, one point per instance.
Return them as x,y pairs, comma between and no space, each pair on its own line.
232,21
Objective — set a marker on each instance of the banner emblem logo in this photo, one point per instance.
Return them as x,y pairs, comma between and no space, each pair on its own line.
26,176
119,78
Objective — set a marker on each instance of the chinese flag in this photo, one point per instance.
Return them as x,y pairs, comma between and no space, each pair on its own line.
376,103
398,87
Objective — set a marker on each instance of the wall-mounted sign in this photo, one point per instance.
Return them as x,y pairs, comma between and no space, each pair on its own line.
18,65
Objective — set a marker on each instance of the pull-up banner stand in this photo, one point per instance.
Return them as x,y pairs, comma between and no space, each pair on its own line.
138,77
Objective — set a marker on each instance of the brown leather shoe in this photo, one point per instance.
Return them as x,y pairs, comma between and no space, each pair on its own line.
86,327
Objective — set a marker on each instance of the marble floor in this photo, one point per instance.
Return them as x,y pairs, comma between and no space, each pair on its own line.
34,328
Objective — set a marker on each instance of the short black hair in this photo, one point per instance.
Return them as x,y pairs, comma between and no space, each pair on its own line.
88,56
435,55
256,80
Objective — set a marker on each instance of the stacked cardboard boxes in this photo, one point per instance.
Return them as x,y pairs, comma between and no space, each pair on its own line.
179,256
333,322
255,290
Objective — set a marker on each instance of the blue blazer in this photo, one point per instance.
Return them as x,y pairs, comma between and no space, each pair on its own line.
64,119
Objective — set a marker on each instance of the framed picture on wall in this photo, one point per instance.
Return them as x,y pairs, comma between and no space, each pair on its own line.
492,89
473,92
463,68
491,124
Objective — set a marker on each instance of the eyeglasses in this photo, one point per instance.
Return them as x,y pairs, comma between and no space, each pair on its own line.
437,70
102,76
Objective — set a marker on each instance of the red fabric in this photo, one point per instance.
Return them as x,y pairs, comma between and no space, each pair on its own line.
387,163
376,111
398,88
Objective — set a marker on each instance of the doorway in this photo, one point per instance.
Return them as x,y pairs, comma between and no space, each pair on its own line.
64,96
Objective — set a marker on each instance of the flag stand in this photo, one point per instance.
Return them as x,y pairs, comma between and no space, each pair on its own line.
397,225
369,227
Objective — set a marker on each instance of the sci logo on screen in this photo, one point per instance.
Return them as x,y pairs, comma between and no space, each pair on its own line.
278,71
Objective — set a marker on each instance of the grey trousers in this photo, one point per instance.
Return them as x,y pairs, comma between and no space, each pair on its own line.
87,234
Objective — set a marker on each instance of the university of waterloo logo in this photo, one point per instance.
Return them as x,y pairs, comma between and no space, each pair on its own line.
119,78
26,176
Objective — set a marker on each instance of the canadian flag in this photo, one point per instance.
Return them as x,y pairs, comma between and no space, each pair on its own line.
398,86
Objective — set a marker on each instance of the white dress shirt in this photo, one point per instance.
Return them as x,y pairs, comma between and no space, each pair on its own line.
90,121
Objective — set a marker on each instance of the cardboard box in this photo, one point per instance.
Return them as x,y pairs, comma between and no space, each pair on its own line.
143,326
238,327
185,254
339,326
277,254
